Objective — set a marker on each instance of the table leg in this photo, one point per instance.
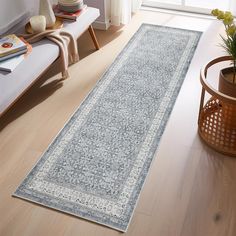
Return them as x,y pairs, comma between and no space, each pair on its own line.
94,38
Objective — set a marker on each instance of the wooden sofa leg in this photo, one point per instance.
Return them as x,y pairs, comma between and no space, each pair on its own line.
93,36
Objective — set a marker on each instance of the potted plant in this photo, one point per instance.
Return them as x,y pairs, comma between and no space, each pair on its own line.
227,79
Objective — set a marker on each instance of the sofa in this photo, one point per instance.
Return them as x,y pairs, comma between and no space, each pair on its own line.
14,85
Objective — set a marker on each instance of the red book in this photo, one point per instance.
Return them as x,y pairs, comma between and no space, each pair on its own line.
68,15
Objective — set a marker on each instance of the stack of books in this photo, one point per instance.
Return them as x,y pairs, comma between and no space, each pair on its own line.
69,9
70,5
12,52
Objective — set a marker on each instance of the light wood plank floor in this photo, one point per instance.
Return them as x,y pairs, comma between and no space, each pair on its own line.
190,190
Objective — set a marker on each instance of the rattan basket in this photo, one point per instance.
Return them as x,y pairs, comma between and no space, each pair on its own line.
217,116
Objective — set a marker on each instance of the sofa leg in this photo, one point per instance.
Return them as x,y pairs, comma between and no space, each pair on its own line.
94,38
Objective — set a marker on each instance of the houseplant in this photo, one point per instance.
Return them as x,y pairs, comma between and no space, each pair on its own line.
227,80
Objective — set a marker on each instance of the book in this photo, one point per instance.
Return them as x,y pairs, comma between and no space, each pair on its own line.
69,6
67,15
28,46
78,3
13,55
70,2
10,64
70,9
26,50
11,44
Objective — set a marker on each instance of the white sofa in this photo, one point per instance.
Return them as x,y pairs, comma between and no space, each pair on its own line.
44,53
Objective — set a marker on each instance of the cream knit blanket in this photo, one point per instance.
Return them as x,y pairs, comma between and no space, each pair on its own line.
67,45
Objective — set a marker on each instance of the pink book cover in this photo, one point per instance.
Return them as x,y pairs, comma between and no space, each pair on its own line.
67,15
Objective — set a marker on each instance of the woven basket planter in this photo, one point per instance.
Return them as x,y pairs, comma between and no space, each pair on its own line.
217,116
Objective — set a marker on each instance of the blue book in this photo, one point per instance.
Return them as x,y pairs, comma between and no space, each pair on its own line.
13,55
10,64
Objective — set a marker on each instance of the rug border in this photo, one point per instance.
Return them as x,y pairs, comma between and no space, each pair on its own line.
66,212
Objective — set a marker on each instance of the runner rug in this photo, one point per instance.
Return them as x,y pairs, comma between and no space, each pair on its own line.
96,166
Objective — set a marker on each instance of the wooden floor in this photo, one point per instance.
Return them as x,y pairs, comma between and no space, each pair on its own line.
190,190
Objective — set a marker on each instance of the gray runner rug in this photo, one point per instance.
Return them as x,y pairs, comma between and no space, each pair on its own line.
96,166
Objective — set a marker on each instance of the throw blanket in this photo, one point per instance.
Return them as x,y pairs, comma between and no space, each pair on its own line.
67,45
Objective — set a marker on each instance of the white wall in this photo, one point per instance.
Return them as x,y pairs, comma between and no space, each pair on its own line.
103,22
13,11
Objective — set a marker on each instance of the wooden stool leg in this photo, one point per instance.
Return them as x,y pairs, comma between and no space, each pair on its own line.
93,36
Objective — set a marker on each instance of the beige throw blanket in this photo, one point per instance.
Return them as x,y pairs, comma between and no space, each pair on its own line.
67,45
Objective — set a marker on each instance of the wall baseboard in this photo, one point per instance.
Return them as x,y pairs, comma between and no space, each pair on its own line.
101,25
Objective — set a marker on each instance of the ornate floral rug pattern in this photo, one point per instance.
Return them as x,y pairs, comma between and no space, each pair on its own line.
96,166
